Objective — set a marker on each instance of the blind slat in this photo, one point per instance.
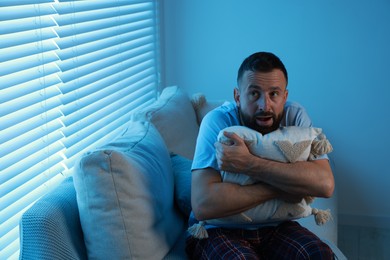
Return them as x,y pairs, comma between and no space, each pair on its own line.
118,62
20,38
104,73
22,2
82,6
18,12
26,50
118,127
23,102
21,77
21,64
109,84
25,24
41,110
95,67
109,55
18,92
137,38
105,106
95,15
10,240
112,22
38,150
23,141
71,41
29,125
17,200
79,146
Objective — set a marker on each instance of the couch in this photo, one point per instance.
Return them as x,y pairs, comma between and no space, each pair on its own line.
130,199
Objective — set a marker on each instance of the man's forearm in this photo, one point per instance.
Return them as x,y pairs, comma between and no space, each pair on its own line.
212,198
308,178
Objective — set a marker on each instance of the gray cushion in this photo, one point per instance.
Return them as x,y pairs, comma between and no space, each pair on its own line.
175,119
125,197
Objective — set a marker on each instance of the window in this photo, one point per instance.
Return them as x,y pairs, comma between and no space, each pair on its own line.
71,73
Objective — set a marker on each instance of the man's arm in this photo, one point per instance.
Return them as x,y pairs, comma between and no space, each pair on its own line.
308,178
212,198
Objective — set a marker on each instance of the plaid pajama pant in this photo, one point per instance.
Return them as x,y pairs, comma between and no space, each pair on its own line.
289,240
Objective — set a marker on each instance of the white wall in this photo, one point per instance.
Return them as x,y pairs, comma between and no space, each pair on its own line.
337,54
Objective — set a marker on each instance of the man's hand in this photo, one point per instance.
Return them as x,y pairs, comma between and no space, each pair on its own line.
234,157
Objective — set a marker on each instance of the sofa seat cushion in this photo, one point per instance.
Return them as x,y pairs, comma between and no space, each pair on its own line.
125,195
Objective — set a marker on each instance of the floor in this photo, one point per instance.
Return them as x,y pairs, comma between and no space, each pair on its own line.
364,243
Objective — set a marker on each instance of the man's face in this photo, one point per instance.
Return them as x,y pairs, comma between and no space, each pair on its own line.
261,97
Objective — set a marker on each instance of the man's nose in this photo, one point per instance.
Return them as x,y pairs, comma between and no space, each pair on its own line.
263,103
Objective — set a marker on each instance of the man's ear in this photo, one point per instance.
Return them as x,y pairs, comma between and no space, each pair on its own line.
285,95
237,96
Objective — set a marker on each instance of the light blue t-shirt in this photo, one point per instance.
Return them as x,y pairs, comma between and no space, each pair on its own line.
227,115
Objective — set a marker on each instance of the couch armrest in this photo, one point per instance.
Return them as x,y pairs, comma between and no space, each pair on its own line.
51,228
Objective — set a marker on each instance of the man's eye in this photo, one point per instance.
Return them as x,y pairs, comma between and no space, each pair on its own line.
274,94
254,94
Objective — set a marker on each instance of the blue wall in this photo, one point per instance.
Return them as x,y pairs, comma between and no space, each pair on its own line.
337,54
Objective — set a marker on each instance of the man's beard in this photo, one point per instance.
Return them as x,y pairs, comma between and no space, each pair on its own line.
250,122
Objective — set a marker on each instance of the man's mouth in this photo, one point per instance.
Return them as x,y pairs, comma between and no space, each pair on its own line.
264,120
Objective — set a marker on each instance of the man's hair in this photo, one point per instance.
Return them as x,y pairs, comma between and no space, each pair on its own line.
261,62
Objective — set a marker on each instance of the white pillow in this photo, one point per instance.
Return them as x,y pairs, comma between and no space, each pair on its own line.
287,144
175,119
125,197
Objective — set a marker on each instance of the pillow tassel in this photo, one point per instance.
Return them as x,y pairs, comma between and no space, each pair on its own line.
198,230
320,146
321,216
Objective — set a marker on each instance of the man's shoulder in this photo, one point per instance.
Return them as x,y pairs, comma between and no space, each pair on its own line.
226,108
223,115
293,105
295,114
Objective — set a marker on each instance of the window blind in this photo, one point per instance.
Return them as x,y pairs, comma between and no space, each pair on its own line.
71,74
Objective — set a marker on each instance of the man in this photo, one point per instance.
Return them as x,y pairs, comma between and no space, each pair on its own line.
261,104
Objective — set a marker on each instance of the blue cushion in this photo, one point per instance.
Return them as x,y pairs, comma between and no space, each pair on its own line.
182,172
